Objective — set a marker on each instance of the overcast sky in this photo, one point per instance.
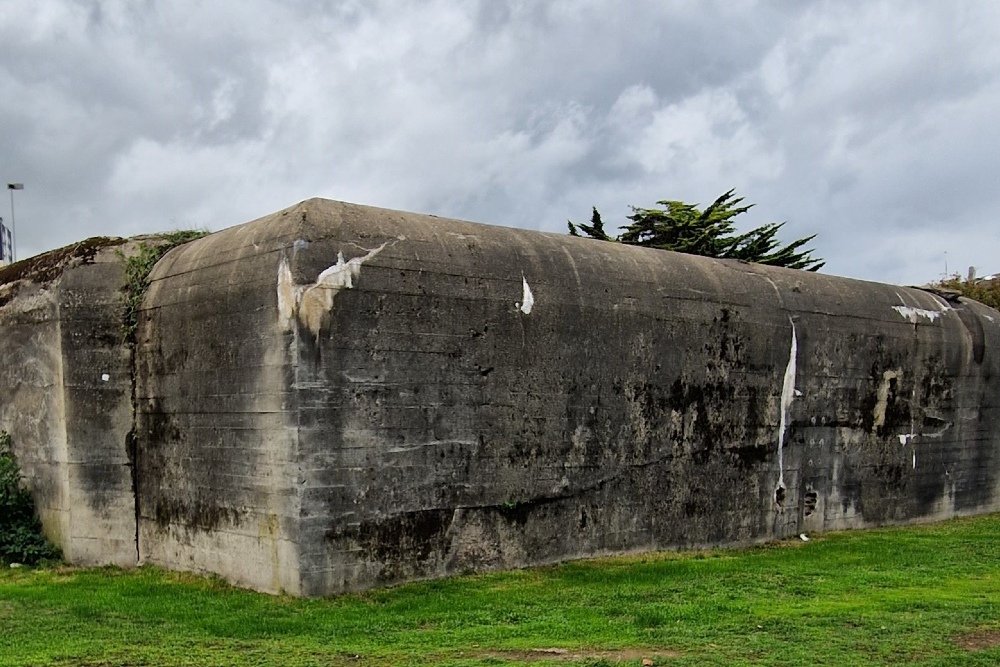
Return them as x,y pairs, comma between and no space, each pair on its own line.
875,125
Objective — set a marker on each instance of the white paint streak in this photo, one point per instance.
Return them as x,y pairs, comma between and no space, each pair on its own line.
287,296
401,449
787,396
527,299
912,314
905,438
938,433
914,460
882,401
311,303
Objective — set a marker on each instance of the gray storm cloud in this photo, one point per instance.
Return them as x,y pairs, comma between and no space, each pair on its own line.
869,123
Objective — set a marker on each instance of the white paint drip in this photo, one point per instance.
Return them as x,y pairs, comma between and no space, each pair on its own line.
914,460
527,299
288,294
105,377
310,303
787,396
906,437
912,314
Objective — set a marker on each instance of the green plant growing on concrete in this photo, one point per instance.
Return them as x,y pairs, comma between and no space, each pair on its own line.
21,539
683,227
137,270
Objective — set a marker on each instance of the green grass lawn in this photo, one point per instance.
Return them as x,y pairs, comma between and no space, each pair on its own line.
927,595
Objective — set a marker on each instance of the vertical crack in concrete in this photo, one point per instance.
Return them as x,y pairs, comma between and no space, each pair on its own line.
787,396
132,453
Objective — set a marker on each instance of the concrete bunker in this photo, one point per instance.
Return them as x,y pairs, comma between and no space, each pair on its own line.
335,397
66,396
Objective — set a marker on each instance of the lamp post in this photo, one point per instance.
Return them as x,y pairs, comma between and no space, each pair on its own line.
13,222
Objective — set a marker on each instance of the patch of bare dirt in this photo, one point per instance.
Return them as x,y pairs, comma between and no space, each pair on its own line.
647,656
979,640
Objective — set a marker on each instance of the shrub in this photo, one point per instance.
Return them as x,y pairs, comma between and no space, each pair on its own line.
137,270
21,539
984,291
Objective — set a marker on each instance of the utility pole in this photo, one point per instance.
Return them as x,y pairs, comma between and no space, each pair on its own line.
13,222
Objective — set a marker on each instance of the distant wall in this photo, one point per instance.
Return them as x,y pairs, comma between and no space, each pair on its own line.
336,397
65,396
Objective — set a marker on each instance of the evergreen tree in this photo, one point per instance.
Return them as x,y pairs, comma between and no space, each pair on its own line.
683,227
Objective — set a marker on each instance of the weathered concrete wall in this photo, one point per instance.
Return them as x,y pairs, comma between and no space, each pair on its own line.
31,405
335,397
217,448
65,396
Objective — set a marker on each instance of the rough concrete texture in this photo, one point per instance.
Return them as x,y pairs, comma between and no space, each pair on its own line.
218,473
65,396
335,397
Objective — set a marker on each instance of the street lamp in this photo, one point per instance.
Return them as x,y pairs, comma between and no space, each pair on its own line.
13,223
